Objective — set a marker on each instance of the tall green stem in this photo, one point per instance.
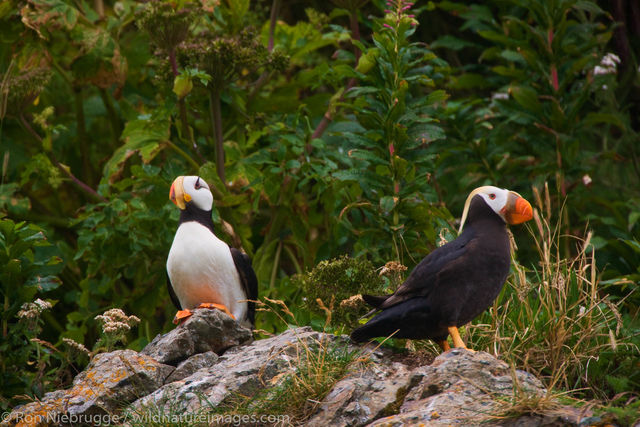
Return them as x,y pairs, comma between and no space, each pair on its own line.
215,110
114,120
82,135
64,169
327,118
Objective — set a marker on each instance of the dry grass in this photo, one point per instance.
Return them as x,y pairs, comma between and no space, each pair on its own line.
317,366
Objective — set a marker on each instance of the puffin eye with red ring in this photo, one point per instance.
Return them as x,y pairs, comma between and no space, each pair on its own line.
492,196
198,186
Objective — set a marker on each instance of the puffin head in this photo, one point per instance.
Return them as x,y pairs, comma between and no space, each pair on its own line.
191,190
509,205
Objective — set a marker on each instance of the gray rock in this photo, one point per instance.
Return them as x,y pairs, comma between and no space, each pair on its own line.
240,370
206,330
191,365
364,396
110,381
461,388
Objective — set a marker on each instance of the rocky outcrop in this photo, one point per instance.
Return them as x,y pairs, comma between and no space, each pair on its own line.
207,363
207,330
239,371
109,381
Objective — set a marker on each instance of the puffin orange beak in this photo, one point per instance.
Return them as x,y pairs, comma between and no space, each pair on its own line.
176,193
517,210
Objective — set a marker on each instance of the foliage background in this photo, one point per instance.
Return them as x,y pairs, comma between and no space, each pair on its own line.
351,127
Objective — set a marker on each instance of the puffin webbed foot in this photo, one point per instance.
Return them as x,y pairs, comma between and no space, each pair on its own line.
457,341
444,345
181,316
220,307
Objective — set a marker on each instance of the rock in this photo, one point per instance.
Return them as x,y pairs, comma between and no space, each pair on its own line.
192,364
110,381
240,370
364,396
206,330
380,389
460,388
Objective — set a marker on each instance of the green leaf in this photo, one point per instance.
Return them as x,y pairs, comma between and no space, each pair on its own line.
512,56
46,16
526,97
182,85
144,136
634,216
387,203
451,42
437,96
44,283
367,61
424,132
292,164
608,118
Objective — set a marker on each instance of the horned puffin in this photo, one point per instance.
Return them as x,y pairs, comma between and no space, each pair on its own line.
455,282
203,270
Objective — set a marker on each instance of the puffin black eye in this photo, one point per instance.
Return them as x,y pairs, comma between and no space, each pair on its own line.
492,196
198,186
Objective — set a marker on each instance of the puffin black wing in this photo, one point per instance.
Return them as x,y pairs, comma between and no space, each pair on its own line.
172,294
248,279
417,312
424,278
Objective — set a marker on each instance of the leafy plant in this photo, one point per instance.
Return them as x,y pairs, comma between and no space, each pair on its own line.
27,269
389,162
332,284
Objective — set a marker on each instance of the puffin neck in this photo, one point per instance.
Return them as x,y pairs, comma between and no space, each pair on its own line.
480,212
191,213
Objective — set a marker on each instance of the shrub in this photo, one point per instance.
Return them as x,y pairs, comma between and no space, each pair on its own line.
26,270
332,283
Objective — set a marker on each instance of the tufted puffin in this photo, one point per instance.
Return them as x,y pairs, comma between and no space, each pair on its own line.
203,270
456,282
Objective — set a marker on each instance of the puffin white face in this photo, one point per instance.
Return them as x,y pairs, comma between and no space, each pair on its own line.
495,197
509,205
193,190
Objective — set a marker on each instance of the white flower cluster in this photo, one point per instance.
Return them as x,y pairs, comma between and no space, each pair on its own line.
76,345
115,321
608,64
31,310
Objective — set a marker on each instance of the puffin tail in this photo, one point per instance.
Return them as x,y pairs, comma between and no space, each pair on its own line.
375,301
380,326
361,334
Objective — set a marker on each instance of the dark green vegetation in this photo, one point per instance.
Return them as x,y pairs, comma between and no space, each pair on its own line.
324,129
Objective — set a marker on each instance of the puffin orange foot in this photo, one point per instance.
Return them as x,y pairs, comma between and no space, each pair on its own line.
457,341
444,345
220,307
181,316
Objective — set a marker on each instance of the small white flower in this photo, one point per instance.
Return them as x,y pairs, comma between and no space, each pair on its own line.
608,64
610,60
42,305
500,95
586,180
